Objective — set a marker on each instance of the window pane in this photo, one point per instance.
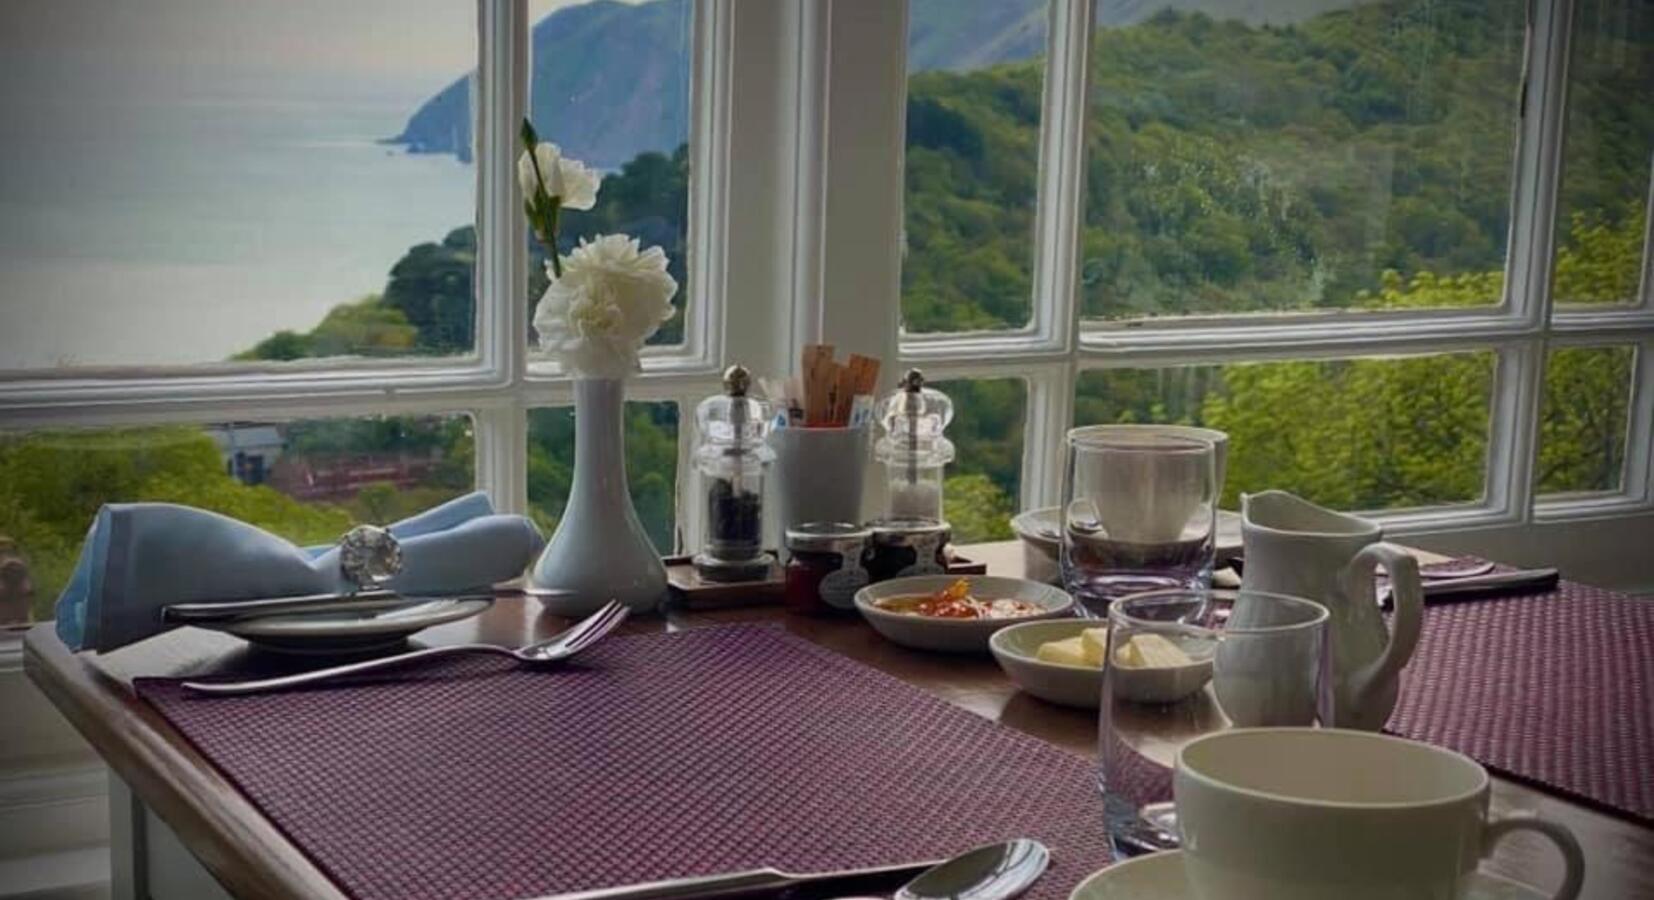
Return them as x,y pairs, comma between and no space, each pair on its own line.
651,434
308,480
191,181
984,481
1350,434
1583,419
976,71
1281,156
1601,211
610,85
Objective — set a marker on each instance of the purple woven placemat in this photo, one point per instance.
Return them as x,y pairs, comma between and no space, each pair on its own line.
1554,689
658,756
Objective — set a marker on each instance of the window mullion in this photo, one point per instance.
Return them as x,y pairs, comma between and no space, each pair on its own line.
500,98
1049,415
1062,171
1639,462
502,455
1513,434
1538,161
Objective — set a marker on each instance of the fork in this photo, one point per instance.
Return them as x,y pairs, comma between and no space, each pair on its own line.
546,653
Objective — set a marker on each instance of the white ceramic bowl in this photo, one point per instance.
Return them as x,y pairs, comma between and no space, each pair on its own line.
955,635
1167,684
1014,648
1040,531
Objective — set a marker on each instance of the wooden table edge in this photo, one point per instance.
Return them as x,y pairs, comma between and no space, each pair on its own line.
230,837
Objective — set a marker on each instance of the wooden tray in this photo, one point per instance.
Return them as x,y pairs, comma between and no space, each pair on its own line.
690,591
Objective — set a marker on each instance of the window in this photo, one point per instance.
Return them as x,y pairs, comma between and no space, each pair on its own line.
1366,433
976,73
1432,217
1583,415
270,260
632,125
308,480
246,175
1399,249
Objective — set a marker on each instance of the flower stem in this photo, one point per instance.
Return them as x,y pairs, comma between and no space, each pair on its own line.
551,239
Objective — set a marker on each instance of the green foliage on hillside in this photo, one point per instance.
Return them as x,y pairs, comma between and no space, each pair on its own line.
368,327
1396,432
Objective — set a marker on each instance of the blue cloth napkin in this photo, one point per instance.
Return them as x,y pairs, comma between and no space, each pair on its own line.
139,557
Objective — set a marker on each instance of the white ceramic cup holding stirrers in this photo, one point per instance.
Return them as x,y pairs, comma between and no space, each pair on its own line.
820,456
819,473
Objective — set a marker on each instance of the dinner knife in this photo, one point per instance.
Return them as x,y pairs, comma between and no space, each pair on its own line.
210,611
1479,587
767,882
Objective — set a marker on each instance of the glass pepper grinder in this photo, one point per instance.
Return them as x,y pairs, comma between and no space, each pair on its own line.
732,458
913,449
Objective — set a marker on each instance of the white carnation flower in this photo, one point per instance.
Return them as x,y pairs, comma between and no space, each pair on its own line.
611,299
569,179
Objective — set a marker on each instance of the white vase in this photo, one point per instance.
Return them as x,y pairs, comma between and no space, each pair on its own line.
600,550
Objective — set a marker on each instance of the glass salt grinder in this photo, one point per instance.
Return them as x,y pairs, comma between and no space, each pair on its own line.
913,449
732,459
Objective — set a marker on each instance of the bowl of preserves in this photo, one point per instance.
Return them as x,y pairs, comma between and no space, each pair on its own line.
956,614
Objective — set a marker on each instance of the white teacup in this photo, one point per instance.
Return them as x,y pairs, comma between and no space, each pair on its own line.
1308,814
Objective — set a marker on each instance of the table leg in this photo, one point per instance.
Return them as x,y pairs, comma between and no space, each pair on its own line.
128,852
147,860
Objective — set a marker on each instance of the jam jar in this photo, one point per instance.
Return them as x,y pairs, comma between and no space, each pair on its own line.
899,547
824,567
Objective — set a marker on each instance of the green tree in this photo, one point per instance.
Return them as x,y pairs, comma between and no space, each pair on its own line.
52,484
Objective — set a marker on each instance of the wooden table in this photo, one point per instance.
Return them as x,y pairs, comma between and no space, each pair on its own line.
175,819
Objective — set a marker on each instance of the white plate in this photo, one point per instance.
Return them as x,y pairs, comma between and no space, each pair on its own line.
1039,530
1159,876
349,630
955,635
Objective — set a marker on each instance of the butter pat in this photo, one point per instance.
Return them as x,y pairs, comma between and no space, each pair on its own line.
1095,641
1067,652
1084,649
1151,651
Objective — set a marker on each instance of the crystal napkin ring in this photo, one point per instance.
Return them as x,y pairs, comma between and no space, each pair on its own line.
369,556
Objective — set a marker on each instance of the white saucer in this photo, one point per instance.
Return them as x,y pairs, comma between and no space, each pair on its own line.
347,631
1159,876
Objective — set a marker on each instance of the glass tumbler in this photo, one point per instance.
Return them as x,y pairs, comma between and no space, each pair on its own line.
1139,514
1175,670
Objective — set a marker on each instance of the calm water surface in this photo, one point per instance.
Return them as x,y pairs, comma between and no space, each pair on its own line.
188,230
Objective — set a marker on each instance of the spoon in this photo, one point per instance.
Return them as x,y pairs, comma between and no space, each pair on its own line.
994,872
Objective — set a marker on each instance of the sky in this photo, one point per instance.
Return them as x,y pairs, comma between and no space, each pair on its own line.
385,48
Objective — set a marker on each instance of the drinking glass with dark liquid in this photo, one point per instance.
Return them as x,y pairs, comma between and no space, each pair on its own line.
1139,514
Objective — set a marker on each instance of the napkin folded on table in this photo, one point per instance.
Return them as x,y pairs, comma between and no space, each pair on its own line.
139,557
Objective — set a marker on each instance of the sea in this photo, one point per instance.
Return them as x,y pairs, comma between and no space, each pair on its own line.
186,230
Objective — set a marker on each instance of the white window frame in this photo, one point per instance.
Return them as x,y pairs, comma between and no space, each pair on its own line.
1057,345
503,378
